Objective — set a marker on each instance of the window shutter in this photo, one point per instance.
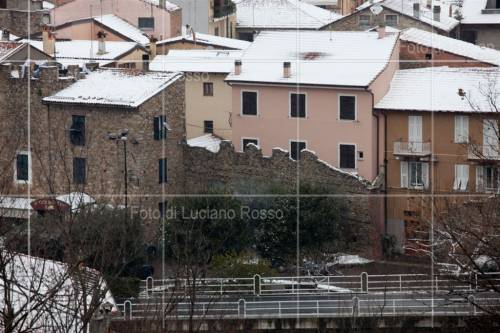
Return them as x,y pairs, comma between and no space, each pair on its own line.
404,174
156,125
425,174
479,178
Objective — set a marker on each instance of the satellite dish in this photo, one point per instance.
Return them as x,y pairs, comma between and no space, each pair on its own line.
377,9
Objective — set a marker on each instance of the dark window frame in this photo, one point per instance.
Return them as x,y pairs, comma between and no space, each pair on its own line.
208,89
22,160
346,114
295,153
79,170
159,129
298,108
208,126
142,20
77,130
350,163
246,141
162,171
255,104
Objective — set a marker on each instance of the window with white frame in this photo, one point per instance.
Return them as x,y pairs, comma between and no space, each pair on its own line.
461,129
461,177
22,168
414,175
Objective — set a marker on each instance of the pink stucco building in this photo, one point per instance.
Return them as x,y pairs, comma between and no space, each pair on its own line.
158,18
315,91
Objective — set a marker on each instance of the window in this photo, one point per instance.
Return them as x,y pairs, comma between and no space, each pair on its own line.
160,128
347,156
208,89
461,129
249,103
297,105
428,56
216,32
77,131
246,141
487,179
162,170
364,20
391,20
208,126
461,177
22,168
295,148
490,138
79,170
146,23
414,175
162,208
347,107
415,144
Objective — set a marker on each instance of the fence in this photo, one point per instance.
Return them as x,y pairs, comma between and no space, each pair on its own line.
363,283
352,307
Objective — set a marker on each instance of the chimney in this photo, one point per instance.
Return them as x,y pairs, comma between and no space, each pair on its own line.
381,31
5,35
101,36
450,11
162,3
436,11
287,69
429,4
416,9
49,41
152,47
237,67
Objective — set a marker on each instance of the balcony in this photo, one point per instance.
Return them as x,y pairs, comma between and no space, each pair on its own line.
485,153
418,149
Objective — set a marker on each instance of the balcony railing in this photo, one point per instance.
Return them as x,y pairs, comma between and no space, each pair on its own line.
412,148
486,152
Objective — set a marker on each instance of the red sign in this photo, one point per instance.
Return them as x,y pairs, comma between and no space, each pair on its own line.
50,205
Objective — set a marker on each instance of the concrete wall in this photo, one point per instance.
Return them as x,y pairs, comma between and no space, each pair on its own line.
200,108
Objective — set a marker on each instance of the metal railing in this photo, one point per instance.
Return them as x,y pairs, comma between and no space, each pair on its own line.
352,307
363,283
412,148
483,152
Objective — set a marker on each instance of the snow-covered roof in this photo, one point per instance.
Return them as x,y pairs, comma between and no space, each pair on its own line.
47,5
208,141
283,14
76,200
209,61
115,88
436,89
79,52
472,12
121,26
451,45
9,48
405,7
209,40
321,2
337,58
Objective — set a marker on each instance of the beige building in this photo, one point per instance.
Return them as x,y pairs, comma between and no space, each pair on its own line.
198,41
442,146
208,97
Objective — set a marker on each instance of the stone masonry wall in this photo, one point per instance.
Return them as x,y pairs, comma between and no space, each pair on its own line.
17,21
251,173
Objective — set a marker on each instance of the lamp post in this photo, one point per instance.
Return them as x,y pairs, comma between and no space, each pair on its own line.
122,136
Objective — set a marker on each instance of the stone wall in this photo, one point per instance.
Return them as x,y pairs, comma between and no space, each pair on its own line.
16,21
252,173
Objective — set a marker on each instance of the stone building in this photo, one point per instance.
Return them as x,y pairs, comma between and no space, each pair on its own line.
82,131
436,16
23,17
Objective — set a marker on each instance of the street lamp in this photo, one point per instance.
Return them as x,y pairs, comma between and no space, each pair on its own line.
123,137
